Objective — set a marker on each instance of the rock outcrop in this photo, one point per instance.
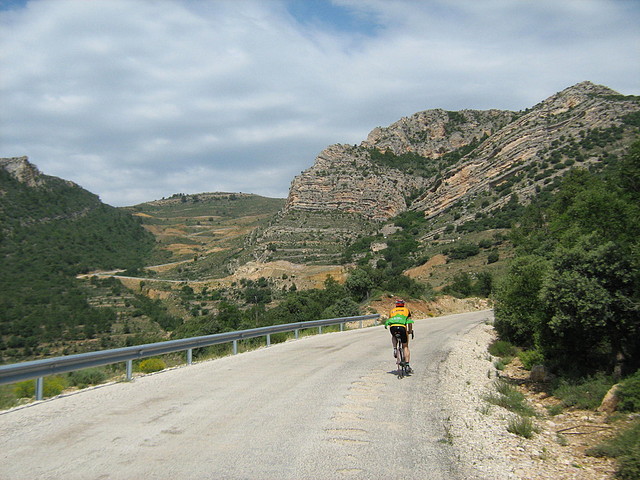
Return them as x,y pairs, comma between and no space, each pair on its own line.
434,161
343,178
553,136
23,171
347,178
27,173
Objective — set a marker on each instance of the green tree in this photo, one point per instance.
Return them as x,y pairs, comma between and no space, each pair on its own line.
592,316
519,310
359,284
344,307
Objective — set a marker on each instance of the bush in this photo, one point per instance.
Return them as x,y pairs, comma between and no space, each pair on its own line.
518,310
629,464
510,398
464,285
343,307
465,250
52,386
529,358
630,394
586,393
152,365
25,389
502,348
88,376
522,426
626,448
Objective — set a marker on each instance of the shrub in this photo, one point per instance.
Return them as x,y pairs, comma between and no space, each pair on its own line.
522,426
626,448
465,250
7,397
510,398
630,394
343,307
499,364
556,409
152,365
502,348
518,307
24,389
52,386
586,393
529,358
88,376
629,464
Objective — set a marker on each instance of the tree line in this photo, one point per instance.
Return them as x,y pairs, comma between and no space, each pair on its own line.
572,293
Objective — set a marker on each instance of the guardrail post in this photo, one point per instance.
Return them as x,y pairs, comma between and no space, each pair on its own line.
235,347
189,356
268,339
297,332
320,329
342,327
129,370
39,388
360,323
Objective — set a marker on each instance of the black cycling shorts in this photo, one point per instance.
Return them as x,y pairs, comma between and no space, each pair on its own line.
402,331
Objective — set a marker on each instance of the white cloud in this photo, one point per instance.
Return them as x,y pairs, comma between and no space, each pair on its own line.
140,99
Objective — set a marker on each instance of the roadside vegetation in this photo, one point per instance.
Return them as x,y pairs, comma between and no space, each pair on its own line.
572,292
569,300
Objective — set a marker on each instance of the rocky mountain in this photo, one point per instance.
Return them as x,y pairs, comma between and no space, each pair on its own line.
368,179
436,161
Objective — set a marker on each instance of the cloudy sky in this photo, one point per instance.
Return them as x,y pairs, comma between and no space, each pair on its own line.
136,100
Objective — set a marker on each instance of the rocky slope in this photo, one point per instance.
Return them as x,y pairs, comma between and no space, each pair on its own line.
570,127
436,161
348,178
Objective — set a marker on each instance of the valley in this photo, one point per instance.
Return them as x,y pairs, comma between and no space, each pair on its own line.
533,212
421,208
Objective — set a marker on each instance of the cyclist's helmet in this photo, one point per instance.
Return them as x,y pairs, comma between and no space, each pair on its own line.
399,303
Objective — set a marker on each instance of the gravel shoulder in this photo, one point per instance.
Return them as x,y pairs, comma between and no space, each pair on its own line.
478,430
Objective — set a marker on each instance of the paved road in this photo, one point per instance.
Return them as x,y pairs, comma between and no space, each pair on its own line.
323,407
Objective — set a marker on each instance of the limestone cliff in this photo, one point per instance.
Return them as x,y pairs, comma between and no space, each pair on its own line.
348,178
461,153
436,160
568,129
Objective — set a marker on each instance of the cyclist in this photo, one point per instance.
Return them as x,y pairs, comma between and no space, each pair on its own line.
400,322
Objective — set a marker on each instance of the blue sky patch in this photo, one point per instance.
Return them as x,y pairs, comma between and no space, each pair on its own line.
325,14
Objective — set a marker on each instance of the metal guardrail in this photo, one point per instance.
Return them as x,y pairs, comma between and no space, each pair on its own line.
39,369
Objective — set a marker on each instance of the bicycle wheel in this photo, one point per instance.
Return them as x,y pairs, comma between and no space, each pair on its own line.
400,358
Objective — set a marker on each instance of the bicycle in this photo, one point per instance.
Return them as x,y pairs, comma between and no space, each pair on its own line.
403,367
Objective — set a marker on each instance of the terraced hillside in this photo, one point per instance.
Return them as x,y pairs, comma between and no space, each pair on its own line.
199,234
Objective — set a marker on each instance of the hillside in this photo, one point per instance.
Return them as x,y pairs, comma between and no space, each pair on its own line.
199,234
425,203
459,170
51,230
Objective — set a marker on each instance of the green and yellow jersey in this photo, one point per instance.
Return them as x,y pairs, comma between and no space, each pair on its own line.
399,316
